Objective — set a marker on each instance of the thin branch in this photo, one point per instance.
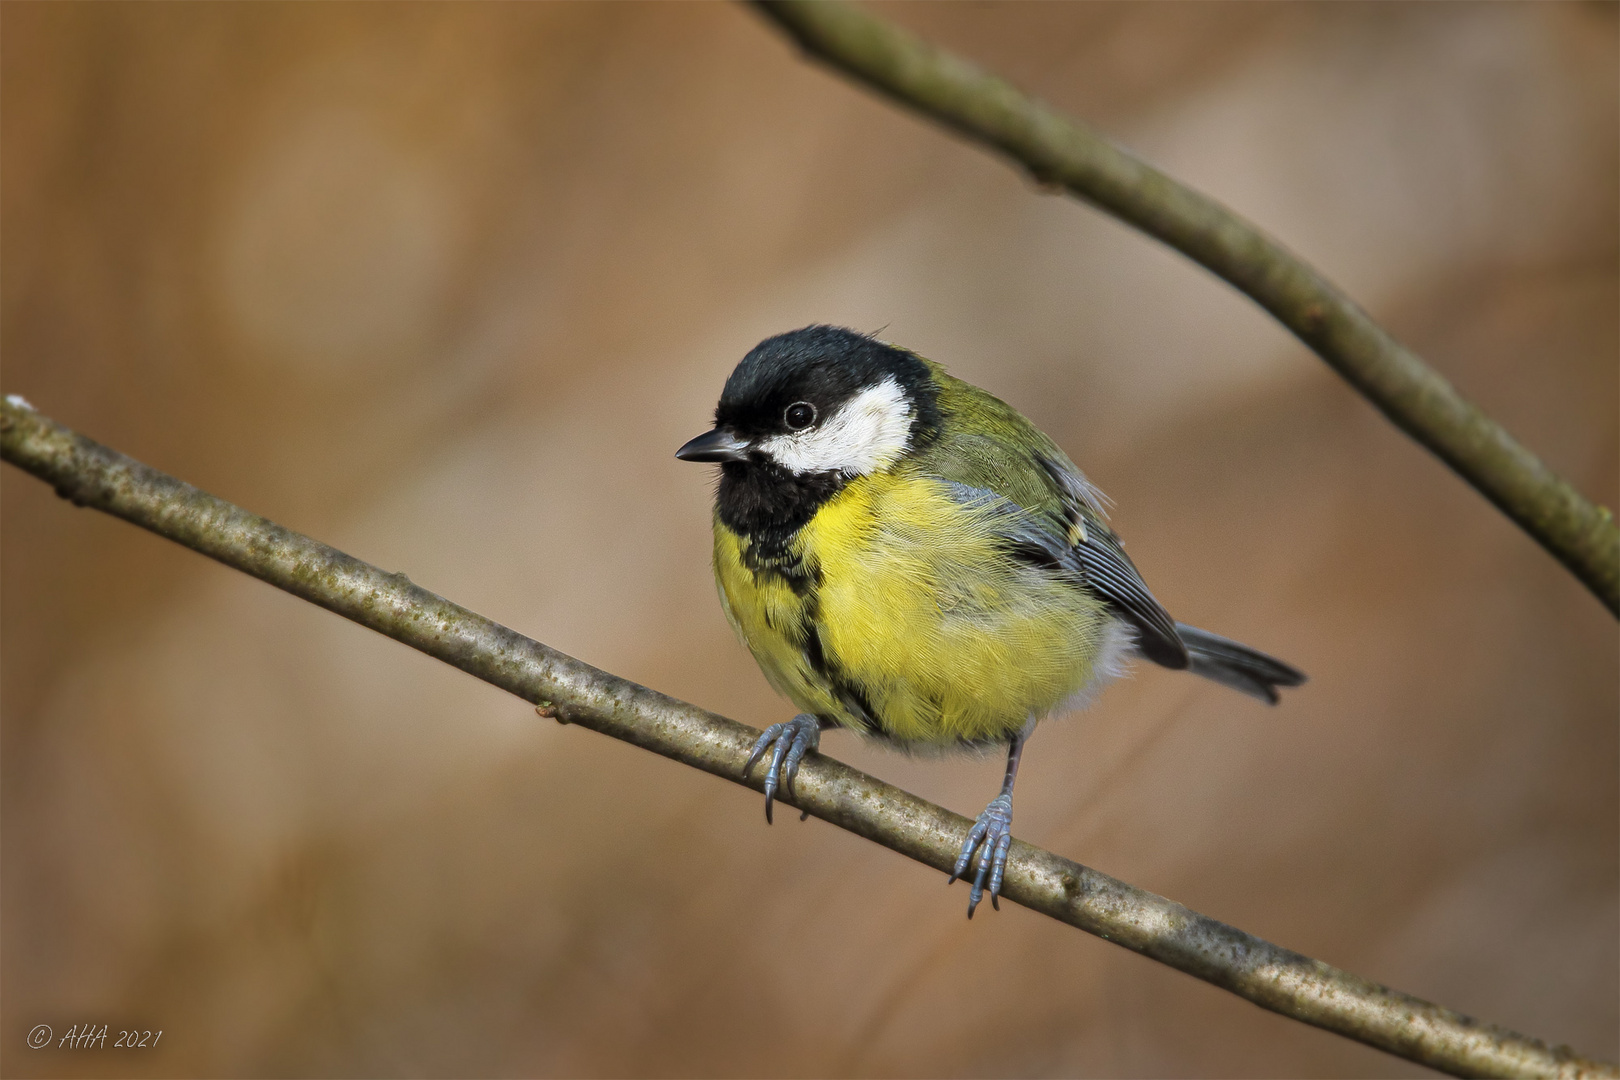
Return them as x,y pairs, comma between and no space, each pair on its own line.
89,474
1061,152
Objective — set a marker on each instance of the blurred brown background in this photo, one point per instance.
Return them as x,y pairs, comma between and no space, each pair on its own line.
446,285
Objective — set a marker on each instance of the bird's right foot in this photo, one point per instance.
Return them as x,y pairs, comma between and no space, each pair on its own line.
792,739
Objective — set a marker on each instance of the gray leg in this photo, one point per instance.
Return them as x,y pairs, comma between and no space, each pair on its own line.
793,739
991,834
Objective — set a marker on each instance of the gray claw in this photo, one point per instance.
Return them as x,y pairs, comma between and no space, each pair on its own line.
991,836
792,740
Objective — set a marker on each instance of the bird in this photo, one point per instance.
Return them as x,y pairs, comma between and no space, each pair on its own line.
908,557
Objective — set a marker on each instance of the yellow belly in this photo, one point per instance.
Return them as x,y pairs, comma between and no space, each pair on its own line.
919,609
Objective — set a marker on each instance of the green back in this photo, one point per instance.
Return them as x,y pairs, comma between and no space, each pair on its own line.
988,444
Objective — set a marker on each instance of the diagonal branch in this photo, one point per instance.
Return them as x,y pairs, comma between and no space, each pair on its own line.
89,474
1060,151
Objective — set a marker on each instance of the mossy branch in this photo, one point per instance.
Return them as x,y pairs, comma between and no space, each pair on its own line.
89,474
1061,152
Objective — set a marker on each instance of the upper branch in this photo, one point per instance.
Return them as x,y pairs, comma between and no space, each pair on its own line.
1275,978
1060,151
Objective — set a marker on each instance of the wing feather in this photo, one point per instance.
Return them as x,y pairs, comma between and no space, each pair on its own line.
1109,571
1090,551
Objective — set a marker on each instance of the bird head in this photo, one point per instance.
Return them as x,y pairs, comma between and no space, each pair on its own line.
822,401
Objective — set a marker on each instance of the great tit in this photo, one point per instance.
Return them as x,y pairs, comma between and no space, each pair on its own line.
909,557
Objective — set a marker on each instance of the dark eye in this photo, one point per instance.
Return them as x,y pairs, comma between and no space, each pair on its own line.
800,415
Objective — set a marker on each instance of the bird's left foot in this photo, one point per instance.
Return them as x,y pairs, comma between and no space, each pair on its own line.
793,739
991,835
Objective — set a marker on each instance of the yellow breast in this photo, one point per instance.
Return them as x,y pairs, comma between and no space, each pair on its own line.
918,609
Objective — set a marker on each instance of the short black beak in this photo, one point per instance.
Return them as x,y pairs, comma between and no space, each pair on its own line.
716,445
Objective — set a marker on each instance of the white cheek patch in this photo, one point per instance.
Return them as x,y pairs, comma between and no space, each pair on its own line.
868,433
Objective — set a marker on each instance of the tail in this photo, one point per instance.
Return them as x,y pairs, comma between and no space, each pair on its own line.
1234,664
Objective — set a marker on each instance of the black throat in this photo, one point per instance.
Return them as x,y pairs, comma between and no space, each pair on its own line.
767,505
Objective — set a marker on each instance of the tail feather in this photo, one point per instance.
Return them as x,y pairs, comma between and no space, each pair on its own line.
1234,664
